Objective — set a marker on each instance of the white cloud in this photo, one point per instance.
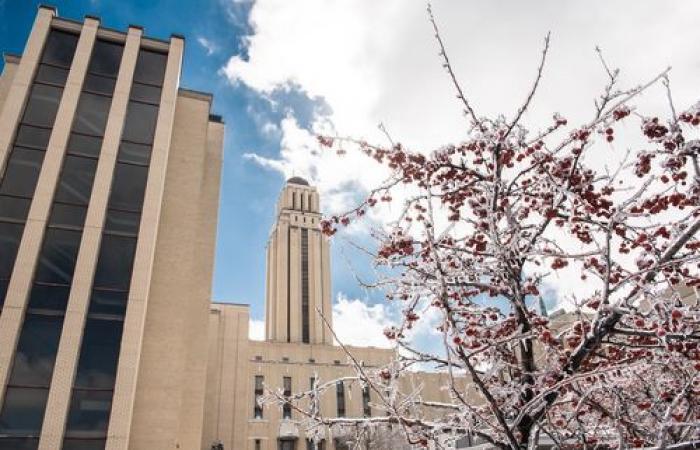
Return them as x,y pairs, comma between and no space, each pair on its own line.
256,330
208,45
375,62
356,323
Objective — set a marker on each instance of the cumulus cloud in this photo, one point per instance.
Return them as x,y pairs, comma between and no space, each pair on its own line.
256,330
373,62
356,323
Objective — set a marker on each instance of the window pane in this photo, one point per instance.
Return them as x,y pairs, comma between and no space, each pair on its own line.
19,443
122,222
134,153
52,75
22,172
140,123
10,235
84,145
59,49
49,297
128,187
13,208
57,257
91,115
105,58
75,182
67,215
115,262
42,105
150,67
83,444
36,350
89,413
108,302
23,411
97,366
145,93
101,85
32,136
3,290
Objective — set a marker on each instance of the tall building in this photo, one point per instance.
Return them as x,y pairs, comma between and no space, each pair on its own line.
298,269
298,349
109,183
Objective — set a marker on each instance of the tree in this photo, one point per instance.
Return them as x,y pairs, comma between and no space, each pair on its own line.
489,222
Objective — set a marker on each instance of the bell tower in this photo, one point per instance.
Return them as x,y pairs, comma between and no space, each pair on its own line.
298,270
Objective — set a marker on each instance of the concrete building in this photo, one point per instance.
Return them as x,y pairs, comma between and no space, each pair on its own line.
298,349
109,183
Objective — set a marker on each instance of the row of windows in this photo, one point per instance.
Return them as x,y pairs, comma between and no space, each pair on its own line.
305,319
25,400
22,169
287,392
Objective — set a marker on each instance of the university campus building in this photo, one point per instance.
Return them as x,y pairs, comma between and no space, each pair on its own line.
109,189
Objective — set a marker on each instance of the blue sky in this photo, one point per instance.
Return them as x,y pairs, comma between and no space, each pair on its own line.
248,192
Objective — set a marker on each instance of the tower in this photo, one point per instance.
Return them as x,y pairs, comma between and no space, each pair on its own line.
298,270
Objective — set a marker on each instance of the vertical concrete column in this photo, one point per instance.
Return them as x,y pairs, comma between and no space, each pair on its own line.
22,81
268,290
23,272
315,281
295,285
130,353
74,323
281,291
326,288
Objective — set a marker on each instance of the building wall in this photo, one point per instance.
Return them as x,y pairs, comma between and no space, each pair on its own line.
173,361
142,385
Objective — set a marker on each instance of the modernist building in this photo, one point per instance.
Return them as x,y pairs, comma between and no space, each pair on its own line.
109,178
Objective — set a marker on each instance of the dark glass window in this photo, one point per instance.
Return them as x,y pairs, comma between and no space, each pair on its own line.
257,407
114,263
89,413
36,350
340,398
97,366
3,290
91,115
98,84
75,182
51,75
122,222
305,320
10,236
140,123
145,93
67,215
49,296
128,187
22,172
150,67
286,444
287,392
105,58
134,153
57,257
29,136
108,302
79,144
84,444
366,410
59,48
13,208
42,105
19,443
23,411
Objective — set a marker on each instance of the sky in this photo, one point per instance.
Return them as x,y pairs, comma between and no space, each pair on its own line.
281,70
